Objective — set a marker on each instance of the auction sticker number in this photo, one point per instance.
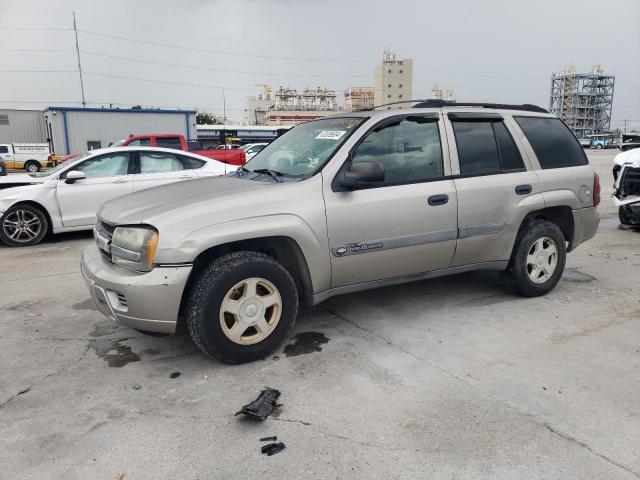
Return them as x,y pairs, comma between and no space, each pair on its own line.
331,134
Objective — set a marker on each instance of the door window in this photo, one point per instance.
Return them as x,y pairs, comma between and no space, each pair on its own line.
408,148
105,165
485,147
169,142
151,162
189,163
4,149
139,142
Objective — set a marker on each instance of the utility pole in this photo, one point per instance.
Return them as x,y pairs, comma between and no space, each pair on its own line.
75,31
625,126
224,109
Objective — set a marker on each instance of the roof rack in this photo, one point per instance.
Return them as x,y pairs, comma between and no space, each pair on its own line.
503,106
433,103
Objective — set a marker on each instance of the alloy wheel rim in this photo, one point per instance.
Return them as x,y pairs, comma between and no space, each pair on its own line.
542,260
21,226
250,311
32,168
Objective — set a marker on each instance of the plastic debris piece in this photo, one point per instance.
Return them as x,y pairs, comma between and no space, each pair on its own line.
269,439
273,448
262,406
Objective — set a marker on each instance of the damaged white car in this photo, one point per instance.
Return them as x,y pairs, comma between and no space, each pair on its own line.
626,195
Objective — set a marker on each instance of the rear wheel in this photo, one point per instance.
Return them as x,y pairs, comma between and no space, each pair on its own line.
23,225
242,307
538,259
32,166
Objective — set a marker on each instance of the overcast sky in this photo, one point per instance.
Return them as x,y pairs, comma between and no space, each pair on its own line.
182,54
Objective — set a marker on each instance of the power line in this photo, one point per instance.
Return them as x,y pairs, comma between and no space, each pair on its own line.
55,29
37,71
220,52
166,82
469,74
208,69
36,50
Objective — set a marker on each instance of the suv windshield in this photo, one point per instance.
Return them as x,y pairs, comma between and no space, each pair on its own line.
304,150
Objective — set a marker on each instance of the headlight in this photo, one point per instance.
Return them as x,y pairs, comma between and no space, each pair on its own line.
134,247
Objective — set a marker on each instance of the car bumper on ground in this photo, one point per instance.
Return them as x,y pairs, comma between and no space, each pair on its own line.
585,225
143,301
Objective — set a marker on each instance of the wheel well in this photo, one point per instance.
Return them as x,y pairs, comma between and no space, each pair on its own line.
561,216
39,207
283,249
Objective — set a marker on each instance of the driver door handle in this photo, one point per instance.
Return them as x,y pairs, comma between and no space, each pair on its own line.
435,200
120,181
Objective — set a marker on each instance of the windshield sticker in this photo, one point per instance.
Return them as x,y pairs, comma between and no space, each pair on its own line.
331,134
346,122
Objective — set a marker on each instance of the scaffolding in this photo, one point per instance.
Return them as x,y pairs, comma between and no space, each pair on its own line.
583,100
322,99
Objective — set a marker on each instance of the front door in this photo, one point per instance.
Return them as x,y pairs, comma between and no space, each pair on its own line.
495,187
107,176
405,224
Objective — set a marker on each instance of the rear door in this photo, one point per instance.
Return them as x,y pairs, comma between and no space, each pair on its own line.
107,176
404,225
496,186
5,154
159,168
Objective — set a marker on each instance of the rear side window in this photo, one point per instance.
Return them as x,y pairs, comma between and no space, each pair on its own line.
485,147
152,162
4,149
191,163
169,142
552,141
139,142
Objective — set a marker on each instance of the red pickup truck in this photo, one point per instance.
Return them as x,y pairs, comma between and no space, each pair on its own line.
178,142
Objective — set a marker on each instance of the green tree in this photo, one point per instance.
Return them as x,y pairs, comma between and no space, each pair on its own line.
204,118
136,107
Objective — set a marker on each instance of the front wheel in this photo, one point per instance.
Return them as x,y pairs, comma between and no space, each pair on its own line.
538,259
32,167
23,225
241,307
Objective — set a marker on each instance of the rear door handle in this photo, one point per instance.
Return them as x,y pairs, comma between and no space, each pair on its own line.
120,181
435,200
523,189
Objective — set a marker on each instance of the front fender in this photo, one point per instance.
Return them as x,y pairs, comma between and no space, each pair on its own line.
314,245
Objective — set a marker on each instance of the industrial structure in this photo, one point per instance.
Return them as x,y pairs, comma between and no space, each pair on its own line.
358,98
257,106
22,126
438,93
291,107
583,100
393,80
76,130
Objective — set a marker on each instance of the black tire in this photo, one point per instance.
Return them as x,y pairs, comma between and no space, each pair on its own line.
18,213
517,274
34,164
204,301
623,217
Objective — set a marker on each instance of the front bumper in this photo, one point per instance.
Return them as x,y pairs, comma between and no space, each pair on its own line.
585,225
144,301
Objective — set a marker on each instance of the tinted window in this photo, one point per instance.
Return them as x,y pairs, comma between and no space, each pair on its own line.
105,165
552,141
140,142
409,150
169,143
189,163
151,162
510,158
477,149
94,144
4,149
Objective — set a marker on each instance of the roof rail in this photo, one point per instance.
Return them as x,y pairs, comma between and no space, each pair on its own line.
368,109
503,106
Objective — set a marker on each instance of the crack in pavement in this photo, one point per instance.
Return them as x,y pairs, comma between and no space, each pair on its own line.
28,389
529,415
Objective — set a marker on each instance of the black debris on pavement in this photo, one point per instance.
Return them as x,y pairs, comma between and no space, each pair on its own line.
273,448
262,406
175,375
269,439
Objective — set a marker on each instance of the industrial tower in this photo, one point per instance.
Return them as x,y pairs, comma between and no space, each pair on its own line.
583,100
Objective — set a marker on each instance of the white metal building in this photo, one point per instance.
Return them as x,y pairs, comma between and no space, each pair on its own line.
76,130
22,126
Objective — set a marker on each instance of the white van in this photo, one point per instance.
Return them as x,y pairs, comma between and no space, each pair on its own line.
28,156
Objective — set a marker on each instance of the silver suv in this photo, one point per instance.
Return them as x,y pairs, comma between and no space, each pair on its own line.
342,204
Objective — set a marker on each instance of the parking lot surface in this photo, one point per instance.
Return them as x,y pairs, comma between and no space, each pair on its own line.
446,378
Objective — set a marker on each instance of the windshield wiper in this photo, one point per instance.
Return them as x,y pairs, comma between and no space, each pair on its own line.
242,170
272,173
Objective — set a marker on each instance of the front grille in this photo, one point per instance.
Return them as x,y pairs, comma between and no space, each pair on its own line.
106,231
630,182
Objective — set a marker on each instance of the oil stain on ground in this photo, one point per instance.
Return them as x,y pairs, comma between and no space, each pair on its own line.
115,354
573,275
104,327
85,305
305,342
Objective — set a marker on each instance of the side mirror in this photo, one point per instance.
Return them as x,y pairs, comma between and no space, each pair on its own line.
360,175
73,176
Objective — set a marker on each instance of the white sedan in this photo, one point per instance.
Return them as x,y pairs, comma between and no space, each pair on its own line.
67,197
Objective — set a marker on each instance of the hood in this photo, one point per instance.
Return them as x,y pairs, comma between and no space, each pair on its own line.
19,180
180,199
629,157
